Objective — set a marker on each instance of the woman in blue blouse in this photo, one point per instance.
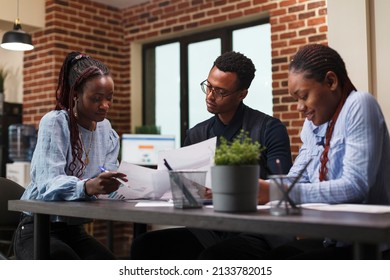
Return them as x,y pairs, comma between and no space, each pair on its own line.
346,138
73,141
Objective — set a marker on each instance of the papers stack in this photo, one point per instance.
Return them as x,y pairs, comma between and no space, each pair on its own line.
154,184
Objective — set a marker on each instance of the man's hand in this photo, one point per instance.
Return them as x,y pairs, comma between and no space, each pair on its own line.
263,197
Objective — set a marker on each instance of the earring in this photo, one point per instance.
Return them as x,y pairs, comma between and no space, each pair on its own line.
75,108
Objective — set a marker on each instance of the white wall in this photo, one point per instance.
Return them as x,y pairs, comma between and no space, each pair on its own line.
32,17
31,14
381,53
347,33
358,30
11,62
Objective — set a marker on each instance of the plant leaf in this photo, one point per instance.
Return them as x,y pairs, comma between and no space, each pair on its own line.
240,151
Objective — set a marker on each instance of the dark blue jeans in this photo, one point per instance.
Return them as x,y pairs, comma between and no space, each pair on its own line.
67,242
185,244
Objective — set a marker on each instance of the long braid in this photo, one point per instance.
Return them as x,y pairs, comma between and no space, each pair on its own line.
315,61
76,70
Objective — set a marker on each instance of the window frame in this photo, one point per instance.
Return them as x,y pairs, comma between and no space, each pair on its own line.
225,34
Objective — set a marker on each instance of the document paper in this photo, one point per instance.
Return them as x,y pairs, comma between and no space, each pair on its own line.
147,183
358,208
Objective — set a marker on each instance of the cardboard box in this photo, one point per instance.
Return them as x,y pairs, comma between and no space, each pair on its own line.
19,172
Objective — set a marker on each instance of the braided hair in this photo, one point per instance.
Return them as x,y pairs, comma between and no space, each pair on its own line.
315,61
76,70
237,63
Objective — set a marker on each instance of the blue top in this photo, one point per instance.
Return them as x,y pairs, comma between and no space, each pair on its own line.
50,179
359,156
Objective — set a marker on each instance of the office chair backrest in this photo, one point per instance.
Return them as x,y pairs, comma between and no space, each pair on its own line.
9,190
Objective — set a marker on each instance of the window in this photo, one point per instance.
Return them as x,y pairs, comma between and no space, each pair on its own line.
174,69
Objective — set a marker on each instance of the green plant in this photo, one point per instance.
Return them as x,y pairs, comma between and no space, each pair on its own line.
241,151
147,129
2,79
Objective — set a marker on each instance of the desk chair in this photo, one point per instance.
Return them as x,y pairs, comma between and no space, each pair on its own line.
9,220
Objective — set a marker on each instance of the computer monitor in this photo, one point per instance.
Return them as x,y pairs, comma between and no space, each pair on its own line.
143,149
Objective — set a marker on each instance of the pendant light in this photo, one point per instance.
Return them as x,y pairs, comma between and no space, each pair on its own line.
17,39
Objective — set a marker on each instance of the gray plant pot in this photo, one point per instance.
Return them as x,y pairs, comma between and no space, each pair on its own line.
235,188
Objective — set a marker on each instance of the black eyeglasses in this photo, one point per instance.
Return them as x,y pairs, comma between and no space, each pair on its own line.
219,93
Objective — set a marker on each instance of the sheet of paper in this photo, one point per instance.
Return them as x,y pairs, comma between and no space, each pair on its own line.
145,183
358,208
154,204
198,156
259,207
148,183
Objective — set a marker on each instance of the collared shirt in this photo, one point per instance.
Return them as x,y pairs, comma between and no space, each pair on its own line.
359,156
50,175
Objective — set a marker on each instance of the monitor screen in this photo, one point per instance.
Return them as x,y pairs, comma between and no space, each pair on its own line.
143,149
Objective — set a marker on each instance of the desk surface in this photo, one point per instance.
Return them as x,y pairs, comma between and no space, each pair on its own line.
358,227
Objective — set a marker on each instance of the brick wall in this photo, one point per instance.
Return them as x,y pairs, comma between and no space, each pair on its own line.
106,34
83,26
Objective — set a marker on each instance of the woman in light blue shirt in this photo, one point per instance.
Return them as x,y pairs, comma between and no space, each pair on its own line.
73,141
344,133
345,137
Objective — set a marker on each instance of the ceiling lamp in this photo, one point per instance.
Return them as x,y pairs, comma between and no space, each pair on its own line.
17,39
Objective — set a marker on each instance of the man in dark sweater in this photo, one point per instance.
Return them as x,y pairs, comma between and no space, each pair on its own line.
225,87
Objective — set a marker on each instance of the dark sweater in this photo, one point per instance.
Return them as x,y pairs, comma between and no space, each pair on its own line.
269,131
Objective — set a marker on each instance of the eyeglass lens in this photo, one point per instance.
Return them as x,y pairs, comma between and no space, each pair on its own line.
207,88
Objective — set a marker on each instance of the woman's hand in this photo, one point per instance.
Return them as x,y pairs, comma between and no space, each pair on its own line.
104,183
263,197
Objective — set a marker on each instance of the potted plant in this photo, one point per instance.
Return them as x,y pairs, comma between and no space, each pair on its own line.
3,75
2,79
234,178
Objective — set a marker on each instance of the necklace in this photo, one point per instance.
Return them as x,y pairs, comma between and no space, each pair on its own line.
86,161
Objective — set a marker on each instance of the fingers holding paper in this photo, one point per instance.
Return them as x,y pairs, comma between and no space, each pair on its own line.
105,183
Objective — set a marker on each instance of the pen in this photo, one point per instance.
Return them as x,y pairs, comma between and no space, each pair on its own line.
118,179
286,198
178,179
293,184
190,181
